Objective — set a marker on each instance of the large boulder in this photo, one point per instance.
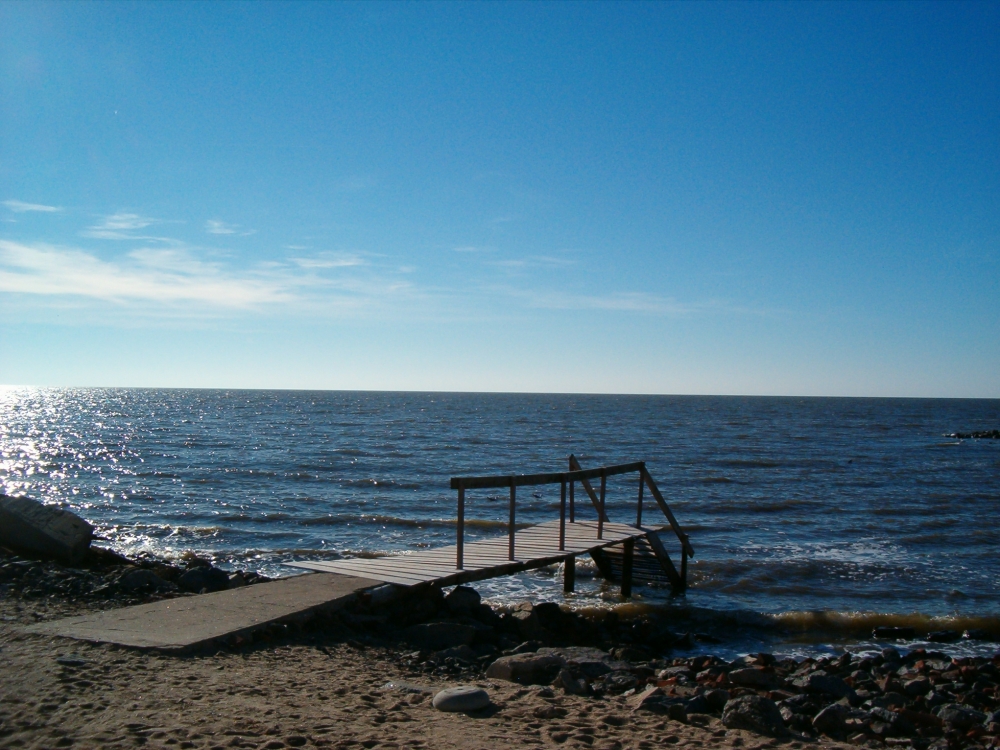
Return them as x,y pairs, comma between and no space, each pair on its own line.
528,624
832,720
528,669
462,600
756,678
36,530
204,578
822,683
960,716
756,714
589,663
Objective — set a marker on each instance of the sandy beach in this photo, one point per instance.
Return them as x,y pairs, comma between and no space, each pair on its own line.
352,679
305,691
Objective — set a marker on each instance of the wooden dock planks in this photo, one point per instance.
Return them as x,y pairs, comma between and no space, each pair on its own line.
534,547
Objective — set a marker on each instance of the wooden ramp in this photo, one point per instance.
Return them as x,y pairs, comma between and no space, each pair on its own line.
534,547
191,621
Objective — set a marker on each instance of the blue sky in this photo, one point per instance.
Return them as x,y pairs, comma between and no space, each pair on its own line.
791,198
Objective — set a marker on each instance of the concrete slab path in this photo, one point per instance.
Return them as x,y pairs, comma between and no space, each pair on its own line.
191,621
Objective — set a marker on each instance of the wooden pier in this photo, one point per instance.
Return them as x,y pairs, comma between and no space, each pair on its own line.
621,551
612,545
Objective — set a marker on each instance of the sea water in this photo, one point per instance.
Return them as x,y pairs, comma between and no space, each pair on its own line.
813,519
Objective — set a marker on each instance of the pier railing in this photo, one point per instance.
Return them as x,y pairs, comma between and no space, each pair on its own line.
567,507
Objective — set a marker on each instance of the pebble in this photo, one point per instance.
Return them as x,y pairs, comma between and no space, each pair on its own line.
462,698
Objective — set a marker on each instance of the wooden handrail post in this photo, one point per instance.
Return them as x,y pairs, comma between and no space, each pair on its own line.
510,527
461,529
572,502
684,569
600,515
562,516
638,509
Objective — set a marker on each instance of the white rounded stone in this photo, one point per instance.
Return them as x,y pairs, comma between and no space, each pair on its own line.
462,698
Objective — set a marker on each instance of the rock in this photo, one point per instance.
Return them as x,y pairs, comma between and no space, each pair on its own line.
33,529
650,699
889,700
136,580
684,671
894,723
619,681
204,578
236,580
756,678
756,714
832,720
527,669
435,636
462,600
821,682
549,614
717,699
960,716
528,647
570,684
891,655
529,625
462,698
630,654
944,636
589,662
463,653
919,686
697,705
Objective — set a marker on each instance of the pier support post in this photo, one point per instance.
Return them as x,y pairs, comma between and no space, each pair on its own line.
628,550
569,574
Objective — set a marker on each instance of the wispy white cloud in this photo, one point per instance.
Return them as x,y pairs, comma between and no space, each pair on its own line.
163,276
214,226
20,207
330,260
178,281
122,226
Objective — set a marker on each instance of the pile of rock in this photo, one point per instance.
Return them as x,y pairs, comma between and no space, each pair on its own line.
46,552
922,699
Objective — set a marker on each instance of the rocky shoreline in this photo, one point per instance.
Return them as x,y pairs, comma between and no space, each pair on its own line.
921,699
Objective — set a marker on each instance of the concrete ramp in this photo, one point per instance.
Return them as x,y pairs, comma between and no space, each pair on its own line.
191,621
